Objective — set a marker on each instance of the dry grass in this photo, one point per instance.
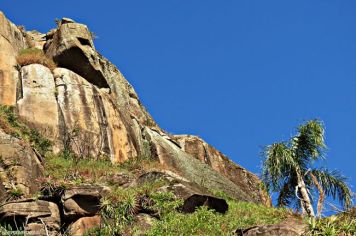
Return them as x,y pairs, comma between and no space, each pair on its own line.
35,56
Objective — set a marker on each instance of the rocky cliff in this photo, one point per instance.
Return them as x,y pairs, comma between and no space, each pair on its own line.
86,105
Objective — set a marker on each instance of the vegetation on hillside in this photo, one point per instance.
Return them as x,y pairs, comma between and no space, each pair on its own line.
35,56
119,208
10,124
288,168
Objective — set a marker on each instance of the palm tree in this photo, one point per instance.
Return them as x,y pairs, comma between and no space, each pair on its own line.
288,169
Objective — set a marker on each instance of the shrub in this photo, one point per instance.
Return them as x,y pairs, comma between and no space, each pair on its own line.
35,56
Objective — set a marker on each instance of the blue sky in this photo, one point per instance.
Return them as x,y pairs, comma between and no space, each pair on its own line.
240,74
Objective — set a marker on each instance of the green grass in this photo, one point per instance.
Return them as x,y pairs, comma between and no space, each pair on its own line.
343,224
207,222
61,167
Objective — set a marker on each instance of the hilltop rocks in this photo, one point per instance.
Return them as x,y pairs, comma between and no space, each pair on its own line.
11,41
71,46
87,105
39,216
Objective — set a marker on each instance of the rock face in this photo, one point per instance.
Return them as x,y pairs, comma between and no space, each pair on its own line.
37,103
11,41
89,95
199,149
40,216
81,201
19,166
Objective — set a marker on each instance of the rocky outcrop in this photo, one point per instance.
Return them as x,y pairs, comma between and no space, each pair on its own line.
199,149
173,158
11,41
71,46
40,217
19,166
81,201
88,106
37,104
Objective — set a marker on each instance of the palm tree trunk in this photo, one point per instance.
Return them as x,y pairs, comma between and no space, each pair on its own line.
321,195
306,203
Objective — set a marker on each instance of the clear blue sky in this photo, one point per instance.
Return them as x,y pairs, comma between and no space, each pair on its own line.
240,74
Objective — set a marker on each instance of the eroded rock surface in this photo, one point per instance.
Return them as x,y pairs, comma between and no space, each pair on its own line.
37,104
199,149
88,92
19,165
81,201
39,216
11,41
175,159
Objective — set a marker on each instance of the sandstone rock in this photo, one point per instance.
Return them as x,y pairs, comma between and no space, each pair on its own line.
19,165
290,227
83,225
32,214
71,46
173,158
35,39
103,129
81,201
37,104
199,149
11,41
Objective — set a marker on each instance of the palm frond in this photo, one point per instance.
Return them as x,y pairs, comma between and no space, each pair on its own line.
277,165
309,143
286,195
334,185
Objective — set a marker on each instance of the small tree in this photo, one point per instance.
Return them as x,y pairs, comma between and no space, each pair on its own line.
288,169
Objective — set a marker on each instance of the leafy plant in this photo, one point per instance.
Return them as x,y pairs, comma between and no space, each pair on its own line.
288,169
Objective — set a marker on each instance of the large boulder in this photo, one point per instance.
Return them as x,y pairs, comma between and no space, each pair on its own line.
247,181
11,41
19,165
81,201
71,46
173,158
38,217
83,225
